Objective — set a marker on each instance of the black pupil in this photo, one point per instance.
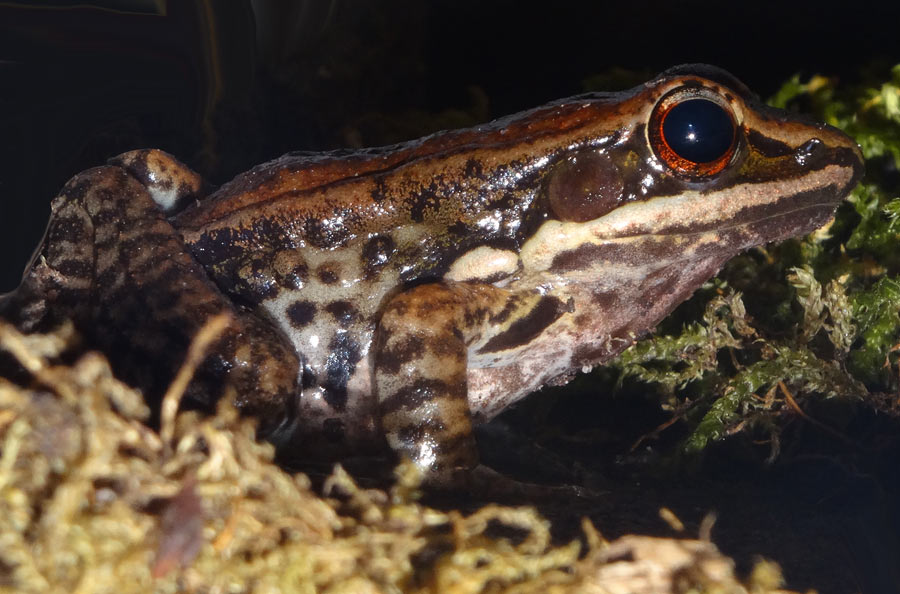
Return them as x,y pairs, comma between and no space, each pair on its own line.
698,130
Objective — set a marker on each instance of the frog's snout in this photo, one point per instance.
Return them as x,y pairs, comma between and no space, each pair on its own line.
844,152
830,146
859,163
809,152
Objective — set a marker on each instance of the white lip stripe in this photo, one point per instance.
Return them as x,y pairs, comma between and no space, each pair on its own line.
691,208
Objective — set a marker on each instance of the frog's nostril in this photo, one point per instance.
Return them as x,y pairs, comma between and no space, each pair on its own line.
809,151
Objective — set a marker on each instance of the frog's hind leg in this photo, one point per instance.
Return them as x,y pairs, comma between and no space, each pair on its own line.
113,263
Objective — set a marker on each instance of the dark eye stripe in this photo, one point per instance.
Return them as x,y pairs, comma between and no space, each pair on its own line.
766,146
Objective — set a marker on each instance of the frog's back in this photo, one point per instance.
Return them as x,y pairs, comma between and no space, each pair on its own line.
436,180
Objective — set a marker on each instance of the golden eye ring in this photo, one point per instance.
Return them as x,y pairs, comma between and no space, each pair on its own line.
693,131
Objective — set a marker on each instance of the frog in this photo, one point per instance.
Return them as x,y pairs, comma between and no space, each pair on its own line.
394,298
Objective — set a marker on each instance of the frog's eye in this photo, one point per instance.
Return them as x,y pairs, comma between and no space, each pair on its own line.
693,133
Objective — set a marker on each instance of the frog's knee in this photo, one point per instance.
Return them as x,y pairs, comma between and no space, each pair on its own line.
263,369
171,183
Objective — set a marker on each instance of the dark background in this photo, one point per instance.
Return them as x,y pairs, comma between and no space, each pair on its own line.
224,86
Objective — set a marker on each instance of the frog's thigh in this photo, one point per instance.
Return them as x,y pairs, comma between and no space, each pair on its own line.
140,295
421,355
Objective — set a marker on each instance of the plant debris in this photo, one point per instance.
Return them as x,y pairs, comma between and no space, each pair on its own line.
92,500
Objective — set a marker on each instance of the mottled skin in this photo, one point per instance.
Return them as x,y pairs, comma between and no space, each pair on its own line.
410,291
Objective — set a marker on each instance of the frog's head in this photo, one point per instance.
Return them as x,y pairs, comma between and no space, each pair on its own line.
696,171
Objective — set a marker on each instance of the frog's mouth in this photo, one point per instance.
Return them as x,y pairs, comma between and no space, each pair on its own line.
779,226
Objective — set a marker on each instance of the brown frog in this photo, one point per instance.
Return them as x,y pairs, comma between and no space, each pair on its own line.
403,293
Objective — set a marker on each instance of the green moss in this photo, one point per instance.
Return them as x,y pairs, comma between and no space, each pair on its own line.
876,313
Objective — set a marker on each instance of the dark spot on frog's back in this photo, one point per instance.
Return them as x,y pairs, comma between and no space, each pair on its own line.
301,313
219,245
108,277
474,169
328,273
344,312
324,236
425,199
376,252
130,248
137,165
295,278
107,215
380,190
